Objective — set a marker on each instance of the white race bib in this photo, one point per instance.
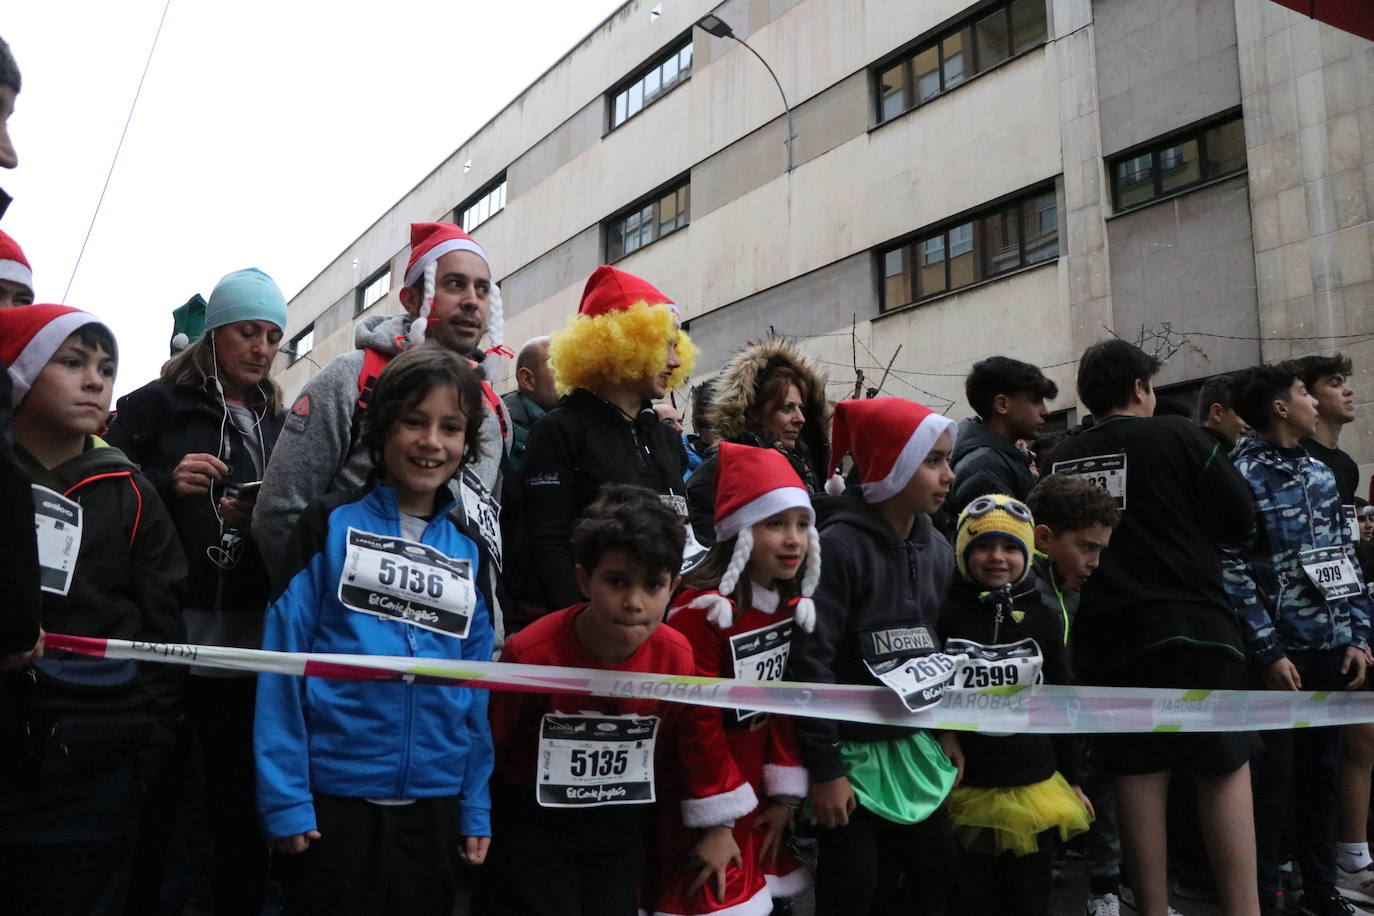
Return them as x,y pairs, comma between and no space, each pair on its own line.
1016,664
407,581
482,513
57,521
920,681
761,655
1107,471
1330,571
588,761
1352,523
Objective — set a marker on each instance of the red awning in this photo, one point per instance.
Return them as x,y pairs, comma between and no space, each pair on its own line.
1354,16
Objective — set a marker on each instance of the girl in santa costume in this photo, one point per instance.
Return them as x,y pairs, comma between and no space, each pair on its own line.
738,609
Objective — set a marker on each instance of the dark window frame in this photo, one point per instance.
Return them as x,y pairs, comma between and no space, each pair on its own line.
1195,132
360,303
1023,200
653,199
655,63
296,353
475,198
966,23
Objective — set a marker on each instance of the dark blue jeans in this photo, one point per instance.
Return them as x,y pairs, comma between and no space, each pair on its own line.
1313,754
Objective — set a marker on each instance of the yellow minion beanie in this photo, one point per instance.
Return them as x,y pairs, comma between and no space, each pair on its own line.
998,515
621,332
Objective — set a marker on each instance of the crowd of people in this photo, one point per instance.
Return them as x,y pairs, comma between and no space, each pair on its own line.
399,506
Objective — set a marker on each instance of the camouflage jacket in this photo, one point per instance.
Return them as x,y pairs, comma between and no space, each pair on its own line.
1297,508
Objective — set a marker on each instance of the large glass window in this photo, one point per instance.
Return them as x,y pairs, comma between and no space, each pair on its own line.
482,206
968,48
1001,239
302,343
651,83
1180,162
372,291
647,222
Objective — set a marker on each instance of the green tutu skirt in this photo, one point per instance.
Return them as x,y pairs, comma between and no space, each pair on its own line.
1011,818
903,780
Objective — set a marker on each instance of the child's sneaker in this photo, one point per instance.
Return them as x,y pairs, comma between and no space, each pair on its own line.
1103,905
1335,905
1357,885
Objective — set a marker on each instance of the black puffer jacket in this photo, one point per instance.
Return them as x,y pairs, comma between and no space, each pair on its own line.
985,463
874,582
157,426
736,391
583,443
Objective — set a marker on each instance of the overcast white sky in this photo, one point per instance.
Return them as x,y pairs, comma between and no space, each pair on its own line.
268,134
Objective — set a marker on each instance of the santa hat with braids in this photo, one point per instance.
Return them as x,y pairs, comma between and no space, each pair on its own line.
428,243
753,484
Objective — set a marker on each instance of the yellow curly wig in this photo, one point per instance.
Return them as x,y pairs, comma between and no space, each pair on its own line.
619,347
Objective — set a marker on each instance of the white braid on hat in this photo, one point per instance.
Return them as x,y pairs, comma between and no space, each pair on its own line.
496,332
718,609
420,325
806,608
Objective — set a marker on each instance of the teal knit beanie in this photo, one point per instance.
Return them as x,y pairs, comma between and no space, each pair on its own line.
246,295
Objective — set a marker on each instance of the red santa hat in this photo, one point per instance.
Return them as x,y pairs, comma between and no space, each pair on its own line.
13,265
889,438
610,289
754,484
428,243
29,337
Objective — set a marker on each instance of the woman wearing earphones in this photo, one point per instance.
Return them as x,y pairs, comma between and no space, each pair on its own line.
201,432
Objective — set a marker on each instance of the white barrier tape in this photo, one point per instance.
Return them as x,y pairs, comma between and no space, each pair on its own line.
1043,709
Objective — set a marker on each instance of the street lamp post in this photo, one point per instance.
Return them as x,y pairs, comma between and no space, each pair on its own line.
714,25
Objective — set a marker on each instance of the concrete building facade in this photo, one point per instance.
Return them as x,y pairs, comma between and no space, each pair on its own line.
1021,177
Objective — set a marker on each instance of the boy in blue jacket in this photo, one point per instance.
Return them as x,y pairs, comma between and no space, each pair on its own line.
371,785
1305,614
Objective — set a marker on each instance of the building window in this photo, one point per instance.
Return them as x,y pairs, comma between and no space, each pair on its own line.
1167,166
1008,236
648,221
972,46
372,291
651,83
482,206
302,343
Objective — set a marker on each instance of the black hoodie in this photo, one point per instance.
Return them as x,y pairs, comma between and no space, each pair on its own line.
1160,583
583,443
985,463
1012,760
128,582
872,581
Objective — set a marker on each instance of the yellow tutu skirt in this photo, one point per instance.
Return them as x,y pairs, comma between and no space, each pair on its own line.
1011,818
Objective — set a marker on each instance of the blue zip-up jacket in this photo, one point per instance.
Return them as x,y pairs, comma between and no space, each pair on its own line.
1297,507
368,739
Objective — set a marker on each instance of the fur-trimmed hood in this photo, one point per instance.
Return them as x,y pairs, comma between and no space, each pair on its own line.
738,383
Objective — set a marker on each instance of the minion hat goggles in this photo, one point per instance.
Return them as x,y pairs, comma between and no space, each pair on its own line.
994,515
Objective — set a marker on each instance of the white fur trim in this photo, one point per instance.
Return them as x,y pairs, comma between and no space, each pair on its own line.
835,485
760,904
913,453
789,885
714,810
781,780
762,507
15,272
438,251
765,599
41,347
